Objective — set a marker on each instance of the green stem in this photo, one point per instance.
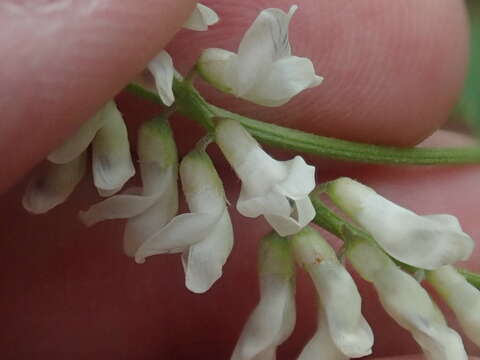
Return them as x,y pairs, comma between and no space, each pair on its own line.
335,225
191,104
471,277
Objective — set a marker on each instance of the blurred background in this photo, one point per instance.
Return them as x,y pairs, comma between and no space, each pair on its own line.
466,116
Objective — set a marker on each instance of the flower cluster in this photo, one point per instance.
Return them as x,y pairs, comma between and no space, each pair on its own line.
387,242
432,243
111,162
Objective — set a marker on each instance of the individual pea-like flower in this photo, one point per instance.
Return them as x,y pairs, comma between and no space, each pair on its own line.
264,70
111,159
204,235
273,319
276,189
337,293
161,66
427,242
53,185
462,297
156,203
407,302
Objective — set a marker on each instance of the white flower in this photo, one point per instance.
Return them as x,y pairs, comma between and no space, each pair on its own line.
153,206
321,345
407,302
201,18
161,66
163,72
52,185
461,296
276,189
337,292
427,242
273,320
111,161
205,235
263,71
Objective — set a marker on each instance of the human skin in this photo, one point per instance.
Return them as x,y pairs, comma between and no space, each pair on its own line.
70,290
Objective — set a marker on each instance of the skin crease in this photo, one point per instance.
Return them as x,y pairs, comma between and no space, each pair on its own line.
71,291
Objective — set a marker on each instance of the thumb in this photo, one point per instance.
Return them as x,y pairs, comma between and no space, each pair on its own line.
61,60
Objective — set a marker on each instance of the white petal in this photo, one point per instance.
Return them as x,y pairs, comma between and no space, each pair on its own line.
303,214
116,207
300,179
462,297
268,186
141,227
264,42
53,185
342,303
242,151
129,205
321,345
75,145
337,292
214,65
270,204
201,18
111,159
161,67
273,319
204,260
422,241
286,78
408,303
271,322
184,230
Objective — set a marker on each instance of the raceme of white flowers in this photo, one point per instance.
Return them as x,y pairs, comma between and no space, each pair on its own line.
112,165
265,72
275,189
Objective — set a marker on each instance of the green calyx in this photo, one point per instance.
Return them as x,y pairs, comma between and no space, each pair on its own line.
156,142
275,256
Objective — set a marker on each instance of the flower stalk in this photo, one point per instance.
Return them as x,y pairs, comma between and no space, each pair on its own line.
191,104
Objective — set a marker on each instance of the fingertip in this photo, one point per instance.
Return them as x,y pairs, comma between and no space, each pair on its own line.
61,61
